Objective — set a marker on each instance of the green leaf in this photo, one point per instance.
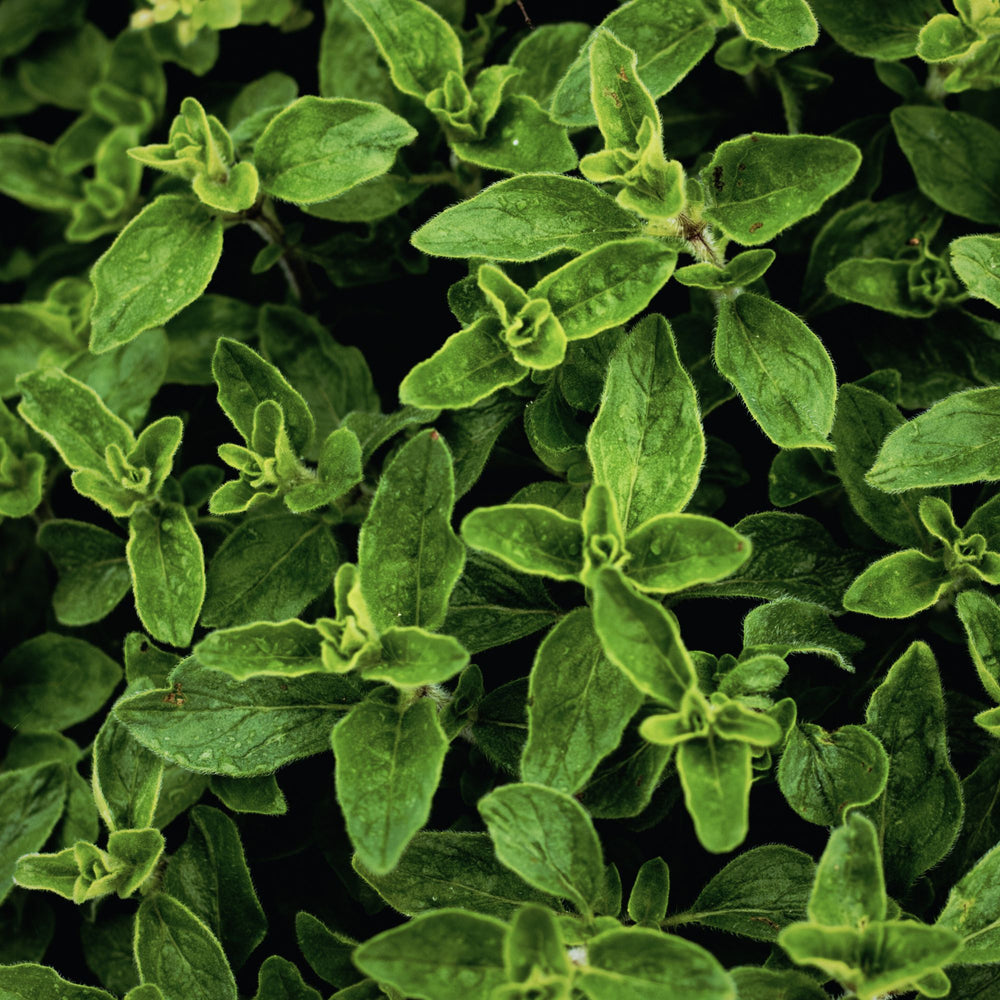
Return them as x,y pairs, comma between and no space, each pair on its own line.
821,774
529,537
446,955
849,889
956,441
779,367
647,903
670,552
744,269
578,706
520,138
413,658
973,911
327,952
331,378
38,982
269,568
245,380
318,148
409,558
51,682
756,894
864,419
446,869
976,260
920,813
419,45
981,618
646,443
72,418
208,874
761,184
620,100
778,24
215,725
641,638
279,979
260,795
177,951
715,776
168,571
30,177
546,837
171,237
952,155
37,796
125,778
669,37
898,585
791,626
889,33
633,963
525,218
607,286
388,767
470,366
280,649
754,983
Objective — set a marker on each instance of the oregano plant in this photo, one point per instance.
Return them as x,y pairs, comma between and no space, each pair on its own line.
498,501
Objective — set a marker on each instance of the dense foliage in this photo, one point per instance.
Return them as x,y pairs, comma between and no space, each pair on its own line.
652,363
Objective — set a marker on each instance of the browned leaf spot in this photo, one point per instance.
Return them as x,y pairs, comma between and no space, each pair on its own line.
608,92
741,167
174,697
769,922
756,226
914,241
622,75
754,138
717,179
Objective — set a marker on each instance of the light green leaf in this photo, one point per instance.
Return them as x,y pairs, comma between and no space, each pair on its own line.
51,682
791,626
881,33
920,813
280,649
976,260
744,269
215,725
413,657
30,177
821,774
208,874
446,955
168,571
715,775
761,184
72,418
898,585
177,951
529,537
620,100
409,557
646,444
452,869
637,964
956,441
525,218
318,148
388,766
32,334
125,778
672,551
160,262
779,367
864,419
973,911
778,24
849,889
36,795
753,983
641,638
669,37
578,706
419,45
470,365
756,894
269,568
245,380
606,286
953,155
546,837
980,616
38,982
